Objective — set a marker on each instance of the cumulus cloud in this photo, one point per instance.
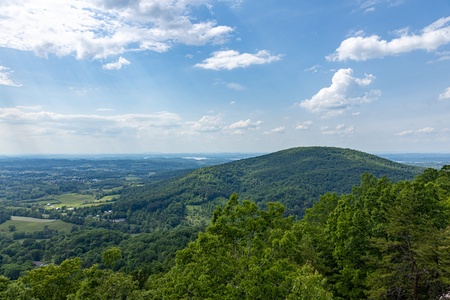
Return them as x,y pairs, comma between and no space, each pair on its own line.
209,124
276,130
304,125
104,28
245,124
361,48
445,94
231,59
424,130
5,77
340,129
344,92
116,65
217,124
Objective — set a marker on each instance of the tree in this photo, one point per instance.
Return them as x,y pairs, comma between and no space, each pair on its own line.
54,282
4,282
111,256
16,290
104,284
309,284
384,240
246,253
415,260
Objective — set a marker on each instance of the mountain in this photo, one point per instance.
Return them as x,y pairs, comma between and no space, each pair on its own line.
294,177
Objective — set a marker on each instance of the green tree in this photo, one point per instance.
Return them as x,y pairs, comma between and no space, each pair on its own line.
54,282
111,256
17,290
246,253
308,285
104,285
415,248
4,282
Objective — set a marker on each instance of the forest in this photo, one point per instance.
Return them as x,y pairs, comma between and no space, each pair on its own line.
384,237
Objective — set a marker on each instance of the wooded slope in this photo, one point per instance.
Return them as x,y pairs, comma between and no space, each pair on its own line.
296,177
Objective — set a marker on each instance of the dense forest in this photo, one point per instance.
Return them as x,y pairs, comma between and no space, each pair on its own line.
372,229
384,240
295,177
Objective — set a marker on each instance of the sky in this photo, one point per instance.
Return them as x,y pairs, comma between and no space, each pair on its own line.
179,76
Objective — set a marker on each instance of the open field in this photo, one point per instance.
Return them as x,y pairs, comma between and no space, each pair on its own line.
74,200
31,220
25,224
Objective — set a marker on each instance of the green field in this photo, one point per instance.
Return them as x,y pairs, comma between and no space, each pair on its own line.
25,224
74,200
31,220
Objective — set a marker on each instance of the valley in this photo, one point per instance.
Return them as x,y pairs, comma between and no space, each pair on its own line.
56,210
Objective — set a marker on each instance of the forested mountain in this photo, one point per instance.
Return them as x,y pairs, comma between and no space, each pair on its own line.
259,249
296,177
384,240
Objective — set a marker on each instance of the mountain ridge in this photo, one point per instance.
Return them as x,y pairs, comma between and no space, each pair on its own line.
295,177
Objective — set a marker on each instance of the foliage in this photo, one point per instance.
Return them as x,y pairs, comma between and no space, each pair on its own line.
246,253
384,240
294,177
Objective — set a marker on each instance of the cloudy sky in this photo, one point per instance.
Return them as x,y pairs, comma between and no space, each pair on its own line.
133,76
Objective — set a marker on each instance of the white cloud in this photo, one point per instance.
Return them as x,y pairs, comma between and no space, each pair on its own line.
116,65
340,129
5,77
344,92
405,132
445,94
103,28
231,59
424,130
304,126
235,86
216,124
313,69
363,48
36,129
370,5
33,107
208,124
245,124
276,130
37,121
444,55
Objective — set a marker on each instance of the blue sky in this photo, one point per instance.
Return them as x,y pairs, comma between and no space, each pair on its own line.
133,76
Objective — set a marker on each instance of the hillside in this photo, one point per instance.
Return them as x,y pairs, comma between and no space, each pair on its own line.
294,177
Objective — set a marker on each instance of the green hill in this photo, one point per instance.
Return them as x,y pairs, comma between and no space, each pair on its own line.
294,177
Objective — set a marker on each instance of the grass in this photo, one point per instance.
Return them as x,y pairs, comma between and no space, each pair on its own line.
25,224
31,220
75,200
